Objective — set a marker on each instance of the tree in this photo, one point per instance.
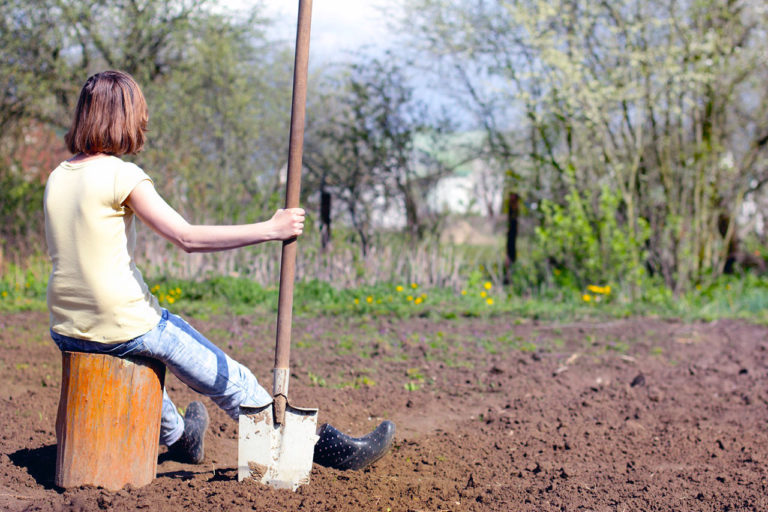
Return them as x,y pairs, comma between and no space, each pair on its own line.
658,101
365,148
224,113
50,46
218,94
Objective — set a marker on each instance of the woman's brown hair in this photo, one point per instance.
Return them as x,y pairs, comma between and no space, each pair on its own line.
111,116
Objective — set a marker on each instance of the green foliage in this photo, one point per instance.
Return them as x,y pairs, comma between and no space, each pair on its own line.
21,220
218,293
586,245
362,148
220,123
729,297
744,296
660,101
24,288
218,93
316,380
361,381
639,146
412,386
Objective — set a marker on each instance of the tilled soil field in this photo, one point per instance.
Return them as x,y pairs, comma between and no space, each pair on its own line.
492,414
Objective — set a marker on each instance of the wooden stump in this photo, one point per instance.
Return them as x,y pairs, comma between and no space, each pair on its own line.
108,423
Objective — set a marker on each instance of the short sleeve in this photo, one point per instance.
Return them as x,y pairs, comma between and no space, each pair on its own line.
128,175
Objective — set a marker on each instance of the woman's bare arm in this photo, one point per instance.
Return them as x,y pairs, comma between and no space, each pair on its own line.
162,218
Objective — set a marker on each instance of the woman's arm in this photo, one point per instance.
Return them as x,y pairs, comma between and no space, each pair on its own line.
157,214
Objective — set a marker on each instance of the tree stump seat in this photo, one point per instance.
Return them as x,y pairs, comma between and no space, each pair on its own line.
108,421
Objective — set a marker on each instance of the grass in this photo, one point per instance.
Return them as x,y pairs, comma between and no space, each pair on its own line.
744,297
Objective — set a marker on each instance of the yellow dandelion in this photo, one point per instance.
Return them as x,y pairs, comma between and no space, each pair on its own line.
414,285
488,285
463,292
556,271
4,294
423,295
599,290
418,300
489,301
178,291
399,288
409,298
369,299
586,297
483,294
171,300
155,288
357,301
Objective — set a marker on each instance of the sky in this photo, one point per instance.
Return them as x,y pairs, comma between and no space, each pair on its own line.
338,26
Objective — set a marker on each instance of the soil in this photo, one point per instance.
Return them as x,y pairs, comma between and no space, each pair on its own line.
500,414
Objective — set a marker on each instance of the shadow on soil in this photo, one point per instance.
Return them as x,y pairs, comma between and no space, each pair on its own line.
183,475
219,474
40,463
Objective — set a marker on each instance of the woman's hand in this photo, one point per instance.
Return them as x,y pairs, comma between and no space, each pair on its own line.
288,223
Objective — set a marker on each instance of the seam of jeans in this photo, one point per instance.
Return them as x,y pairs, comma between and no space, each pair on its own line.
235,383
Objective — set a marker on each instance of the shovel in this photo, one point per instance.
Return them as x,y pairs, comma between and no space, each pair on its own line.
277,441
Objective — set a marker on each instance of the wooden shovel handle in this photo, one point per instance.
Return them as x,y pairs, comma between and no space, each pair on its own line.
293,190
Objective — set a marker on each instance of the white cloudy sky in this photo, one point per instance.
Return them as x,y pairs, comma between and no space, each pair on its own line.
340,26
337,25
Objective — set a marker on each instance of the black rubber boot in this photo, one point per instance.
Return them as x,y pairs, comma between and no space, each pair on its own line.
340,451
189,448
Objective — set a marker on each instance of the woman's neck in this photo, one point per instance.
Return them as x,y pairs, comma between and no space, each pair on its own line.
84,157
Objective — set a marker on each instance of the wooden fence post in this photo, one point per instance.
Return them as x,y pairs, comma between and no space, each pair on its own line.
513,210
325,219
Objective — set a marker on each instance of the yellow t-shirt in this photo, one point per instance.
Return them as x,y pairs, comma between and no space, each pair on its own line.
95,291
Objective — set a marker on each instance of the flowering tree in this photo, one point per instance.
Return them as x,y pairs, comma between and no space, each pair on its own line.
660,102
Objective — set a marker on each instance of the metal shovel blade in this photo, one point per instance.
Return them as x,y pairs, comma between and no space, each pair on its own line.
277,455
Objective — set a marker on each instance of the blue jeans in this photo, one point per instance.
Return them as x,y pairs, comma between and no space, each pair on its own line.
197,362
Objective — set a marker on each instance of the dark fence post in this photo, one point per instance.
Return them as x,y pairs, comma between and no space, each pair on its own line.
513,209
325,218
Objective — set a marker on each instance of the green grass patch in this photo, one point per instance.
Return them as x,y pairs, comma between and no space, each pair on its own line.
744,297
